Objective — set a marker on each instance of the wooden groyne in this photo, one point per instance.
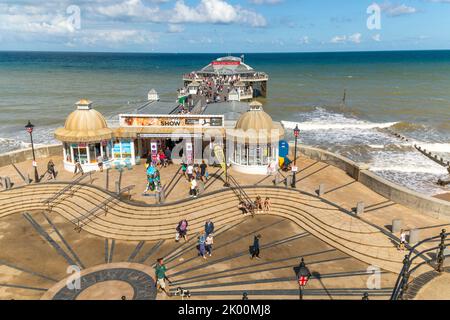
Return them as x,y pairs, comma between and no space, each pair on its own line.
434,157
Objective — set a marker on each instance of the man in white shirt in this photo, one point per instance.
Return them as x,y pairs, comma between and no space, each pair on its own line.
193,191
190,171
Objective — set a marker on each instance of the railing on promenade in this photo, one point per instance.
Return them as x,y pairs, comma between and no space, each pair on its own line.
436,262
68,188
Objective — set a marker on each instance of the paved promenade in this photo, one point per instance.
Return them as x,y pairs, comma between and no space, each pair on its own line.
329,219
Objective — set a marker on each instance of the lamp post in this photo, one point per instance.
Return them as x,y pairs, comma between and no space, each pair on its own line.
303,276
30,128
296,134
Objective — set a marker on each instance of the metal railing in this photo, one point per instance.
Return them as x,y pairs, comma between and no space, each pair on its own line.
92,214
240,192
68,187
401,286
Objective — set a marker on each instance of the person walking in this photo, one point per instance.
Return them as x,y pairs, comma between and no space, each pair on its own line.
78,167
209,243
51,170
160,270
100,163
255,247
209,227
183,169
202,246
190,171
204,171
402,244
182,230
193,188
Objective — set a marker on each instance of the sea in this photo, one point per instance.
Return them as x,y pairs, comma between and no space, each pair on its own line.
407,92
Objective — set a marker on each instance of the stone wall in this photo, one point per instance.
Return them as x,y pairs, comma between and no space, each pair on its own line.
428,205
26,154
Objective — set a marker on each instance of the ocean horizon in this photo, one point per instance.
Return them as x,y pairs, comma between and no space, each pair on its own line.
404,91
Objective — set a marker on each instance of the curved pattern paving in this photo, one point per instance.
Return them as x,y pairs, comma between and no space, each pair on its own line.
129,221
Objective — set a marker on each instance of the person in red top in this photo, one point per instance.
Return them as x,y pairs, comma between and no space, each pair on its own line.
162,158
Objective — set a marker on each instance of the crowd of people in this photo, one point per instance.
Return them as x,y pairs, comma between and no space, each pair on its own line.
258,206
195,174
216,88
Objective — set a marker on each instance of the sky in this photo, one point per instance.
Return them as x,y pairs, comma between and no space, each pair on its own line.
196,26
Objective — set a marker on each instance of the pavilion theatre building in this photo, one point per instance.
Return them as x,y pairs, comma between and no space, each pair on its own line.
247,133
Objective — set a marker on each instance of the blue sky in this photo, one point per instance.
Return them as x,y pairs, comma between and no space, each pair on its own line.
223,25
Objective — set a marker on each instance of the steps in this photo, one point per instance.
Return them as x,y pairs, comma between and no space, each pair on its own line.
135,222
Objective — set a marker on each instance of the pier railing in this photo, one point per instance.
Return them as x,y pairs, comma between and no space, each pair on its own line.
420,251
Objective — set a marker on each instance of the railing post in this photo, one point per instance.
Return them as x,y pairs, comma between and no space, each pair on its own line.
399,282
441,255
405,278
404,285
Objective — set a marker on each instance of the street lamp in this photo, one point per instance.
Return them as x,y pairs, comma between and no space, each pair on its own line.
296,134
30,128
303,276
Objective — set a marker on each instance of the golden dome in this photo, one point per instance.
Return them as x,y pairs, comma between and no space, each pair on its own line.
84,125
255,119
256,124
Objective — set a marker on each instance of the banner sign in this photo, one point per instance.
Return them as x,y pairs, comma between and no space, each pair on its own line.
226,63
189,153
220,156
172,121
154,150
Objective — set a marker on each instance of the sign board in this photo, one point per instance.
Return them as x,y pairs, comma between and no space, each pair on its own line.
189,153
294,169
218,151
154,150
302,281
34,164
171,121
226,63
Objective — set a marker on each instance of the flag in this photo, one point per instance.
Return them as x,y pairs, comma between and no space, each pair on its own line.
220,156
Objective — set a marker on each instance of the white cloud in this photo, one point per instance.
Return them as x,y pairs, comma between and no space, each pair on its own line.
260,2
215,11
175,28
339,39
354,38
393,10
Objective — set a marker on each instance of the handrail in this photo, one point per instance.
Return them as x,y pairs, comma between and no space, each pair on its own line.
92,214
241,194
401,284
67,188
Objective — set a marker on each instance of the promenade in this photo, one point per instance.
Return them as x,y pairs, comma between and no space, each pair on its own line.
339,245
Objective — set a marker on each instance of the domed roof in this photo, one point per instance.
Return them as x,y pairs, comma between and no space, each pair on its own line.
84,125
255,124
255,119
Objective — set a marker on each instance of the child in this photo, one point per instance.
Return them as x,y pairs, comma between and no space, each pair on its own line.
267,205
208,244
402,244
